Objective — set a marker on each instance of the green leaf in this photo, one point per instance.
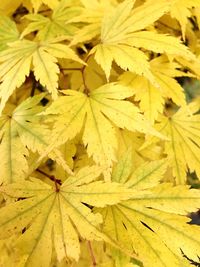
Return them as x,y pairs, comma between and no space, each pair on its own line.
56,25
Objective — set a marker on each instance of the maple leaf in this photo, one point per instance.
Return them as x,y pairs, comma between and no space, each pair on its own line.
51,214
123,29
51,3
183,148
180,10
20,132
153,214
56,25
104,107
101,258
13,162
152,98
8,32
68,152
19,56
194,67
91,16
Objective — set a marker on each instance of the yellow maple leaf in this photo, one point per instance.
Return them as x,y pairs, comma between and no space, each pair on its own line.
182,149
153,215
123,29
37,3
16,64
8,32
152,98
91,17
20,132
103,107
59,212
181,10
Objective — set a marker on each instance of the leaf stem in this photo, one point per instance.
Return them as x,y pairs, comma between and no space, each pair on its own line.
82,70
94,263
45,10
52,178
78,69
86,89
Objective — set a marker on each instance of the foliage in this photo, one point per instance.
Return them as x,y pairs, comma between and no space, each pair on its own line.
99,133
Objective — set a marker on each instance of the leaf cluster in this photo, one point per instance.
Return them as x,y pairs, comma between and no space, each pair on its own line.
99,133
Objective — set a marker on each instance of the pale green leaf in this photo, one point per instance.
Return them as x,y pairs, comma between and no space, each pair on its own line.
13,163
56,25
123,168
8,32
